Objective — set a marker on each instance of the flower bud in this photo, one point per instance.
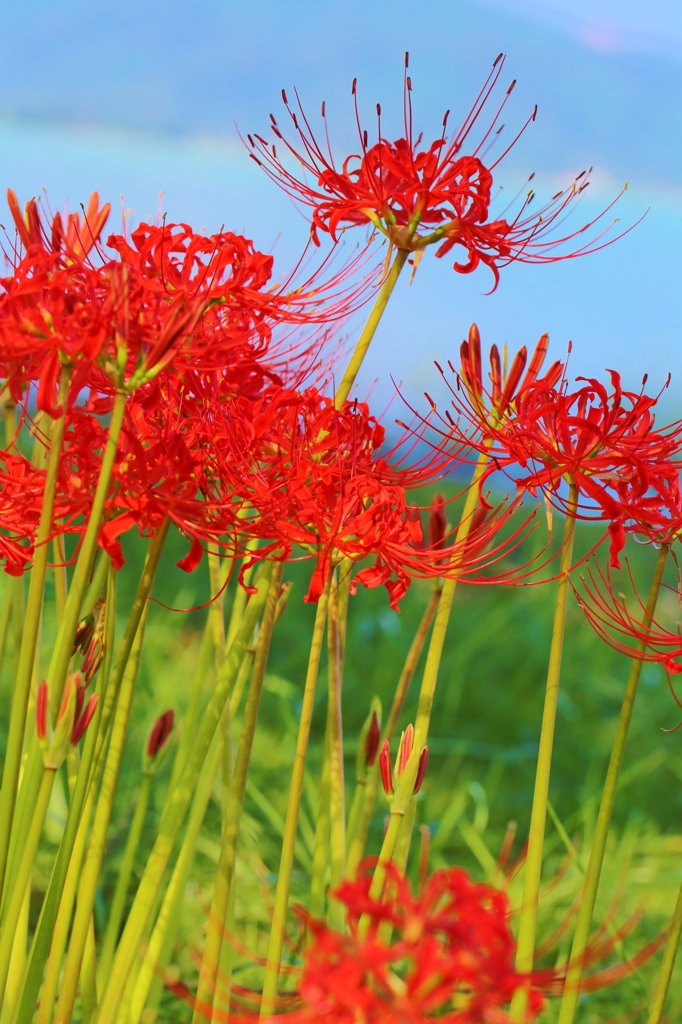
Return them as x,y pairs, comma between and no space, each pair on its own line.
405,749
92,660
158,739
385,768
372,740
437,523
70,725
421,769
41,711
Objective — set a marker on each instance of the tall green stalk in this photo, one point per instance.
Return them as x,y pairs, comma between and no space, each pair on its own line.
318,875
27,651
357,845
531,884
667,964
286,862
89,880
369,330
125,871
569,999
158,942
337,812
173,817
53,923
59,664
224,877
16,898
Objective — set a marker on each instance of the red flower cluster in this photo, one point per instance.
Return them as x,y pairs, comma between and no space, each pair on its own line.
399,186
542,433
450,956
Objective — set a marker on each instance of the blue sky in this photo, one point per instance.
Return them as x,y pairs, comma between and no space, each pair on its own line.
140,96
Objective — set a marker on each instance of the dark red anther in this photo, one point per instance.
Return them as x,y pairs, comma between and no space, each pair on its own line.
372,741
421,769
437,523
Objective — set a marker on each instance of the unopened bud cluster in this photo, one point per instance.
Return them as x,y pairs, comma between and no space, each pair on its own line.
72,720
389,775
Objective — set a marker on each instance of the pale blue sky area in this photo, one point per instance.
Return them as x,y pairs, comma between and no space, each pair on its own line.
138,96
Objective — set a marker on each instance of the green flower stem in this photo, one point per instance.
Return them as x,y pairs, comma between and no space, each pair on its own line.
370,327
215,610
401,853
59,573
174,815
55,915
403,795
286,863
17,963
88,976
337,813
126,668
5,617
531,884
162,934
59,664
21,690
442,617
357,846
385,855
228,849
318,875
571,991
16,898
63,919
667,964
191,718
123,879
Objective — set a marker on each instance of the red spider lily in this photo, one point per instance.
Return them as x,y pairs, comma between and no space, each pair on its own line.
76,240
399,186
312,476
21,489
450,956
608,614
604,441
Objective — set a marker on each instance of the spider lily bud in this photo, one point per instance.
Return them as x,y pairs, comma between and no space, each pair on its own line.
413,522
72,720
92,660
385,769
390,780
368,746
437,523
421,770
157,744
404,751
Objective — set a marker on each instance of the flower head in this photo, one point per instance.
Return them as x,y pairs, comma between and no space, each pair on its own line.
450,956
400,186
